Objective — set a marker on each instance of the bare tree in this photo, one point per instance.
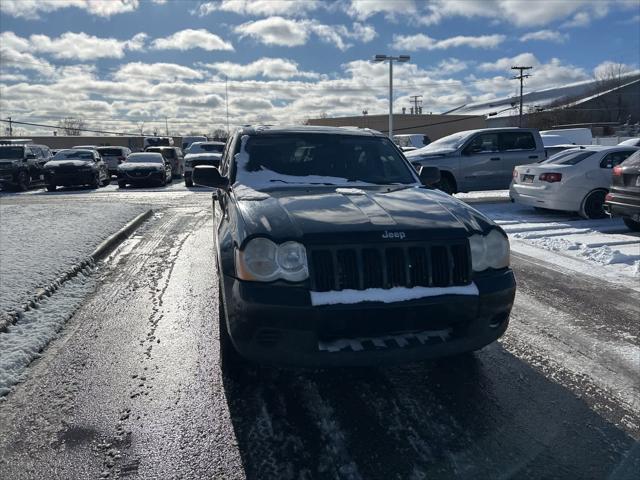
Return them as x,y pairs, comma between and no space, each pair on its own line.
72,126
611,75
219,134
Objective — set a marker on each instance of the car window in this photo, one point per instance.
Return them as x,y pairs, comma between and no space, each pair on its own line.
483,143
633,160
145,158
111,152
570,157
74,155
12,153
322,159
614,158
517,141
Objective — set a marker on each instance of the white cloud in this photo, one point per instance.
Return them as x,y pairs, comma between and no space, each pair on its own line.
79,46
291,33
136,43
190,38
451,65
31,9
421,41
522,13
545,35
265,67
275,31
505,63
267,8
156,71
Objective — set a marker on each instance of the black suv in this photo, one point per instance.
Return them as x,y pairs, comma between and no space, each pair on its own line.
333,251
624,197
21,166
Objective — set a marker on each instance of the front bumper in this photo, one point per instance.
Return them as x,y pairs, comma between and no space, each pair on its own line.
133,179
277,325
70,178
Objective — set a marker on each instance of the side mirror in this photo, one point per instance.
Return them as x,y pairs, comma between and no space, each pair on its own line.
429,176
209,177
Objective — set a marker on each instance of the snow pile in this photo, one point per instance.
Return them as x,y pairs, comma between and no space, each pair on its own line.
391,295
21,343
608,256
39,242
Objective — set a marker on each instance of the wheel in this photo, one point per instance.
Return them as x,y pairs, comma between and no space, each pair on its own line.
122,184
23,181
170,180
96,181
446,185
163,183
51,188
106,181
188,182
593,205
632,224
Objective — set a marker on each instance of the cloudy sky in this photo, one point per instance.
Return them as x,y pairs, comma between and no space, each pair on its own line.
126,65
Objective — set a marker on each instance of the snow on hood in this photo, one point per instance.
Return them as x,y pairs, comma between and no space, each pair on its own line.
425,152
69,162
203,156
135,165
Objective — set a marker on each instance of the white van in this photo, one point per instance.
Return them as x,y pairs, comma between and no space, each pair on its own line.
573,136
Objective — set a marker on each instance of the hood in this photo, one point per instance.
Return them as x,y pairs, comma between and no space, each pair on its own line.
140,165
202,156
69,163
425,152
343,215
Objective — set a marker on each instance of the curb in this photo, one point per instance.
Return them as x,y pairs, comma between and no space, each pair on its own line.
101,251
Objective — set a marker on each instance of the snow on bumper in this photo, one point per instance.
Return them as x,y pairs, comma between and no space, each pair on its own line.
391,295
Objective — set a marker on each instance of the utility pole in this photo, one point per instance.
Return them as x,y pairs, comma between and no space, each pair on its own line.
166,125
10,128
415,100
521,77
226,100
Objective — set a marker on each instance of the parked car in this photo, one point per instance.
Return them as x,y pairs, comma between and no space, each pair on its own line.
331,252
114,156
411,141
157,142
575,136
74,166
205,147
192,160
554,149
174,156
479,159
575,180
85,147
623,198
630,142
21,166
187,141
144,168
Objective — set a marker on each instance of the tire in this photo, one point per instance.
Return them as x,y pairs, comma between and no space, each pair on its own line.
96,181
23,181
163,182
188,182
631,224
122,184
231,362
51,188
593,205
446,185
107,181
170,180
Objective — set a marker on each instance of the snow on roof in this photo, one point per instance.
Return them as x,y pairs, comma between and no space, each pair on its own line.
537,98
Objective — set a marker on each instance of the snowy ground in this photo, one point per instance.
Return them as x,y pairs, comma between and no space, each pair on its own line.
39,241
604,248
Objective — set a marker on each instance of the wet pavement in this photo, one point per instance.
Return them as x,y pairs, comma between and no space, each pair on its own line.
132,388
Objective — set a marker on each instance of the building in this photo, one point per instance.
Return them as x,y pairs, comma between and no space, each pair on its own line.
135,143
434,126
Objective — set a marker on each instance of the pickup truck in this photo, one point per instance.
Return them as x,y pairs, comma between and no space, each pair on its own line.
331,250
480,159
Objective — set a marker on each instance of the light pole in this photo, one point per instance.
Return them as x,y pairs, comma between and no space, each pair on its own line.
391,59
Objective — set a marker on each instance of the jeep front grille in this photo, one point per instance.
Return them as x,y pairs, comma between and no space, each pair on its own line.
400,265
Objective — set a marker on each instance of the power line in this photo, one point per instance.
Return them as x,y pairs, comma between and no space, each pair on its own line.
59,127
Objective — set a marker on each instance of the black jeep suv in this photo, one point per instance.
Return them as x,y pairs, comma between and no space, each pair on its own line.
333,251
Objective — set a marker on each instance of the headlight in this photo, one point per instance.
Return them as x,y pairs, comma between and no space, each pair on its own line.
490,251
264,261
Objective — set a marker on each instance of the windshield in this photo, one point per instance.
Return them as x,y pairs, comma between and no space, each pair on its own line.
12,153
74,155
633,160
450,142
110,152
570,157
320,159
205,147
166,152
144,158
